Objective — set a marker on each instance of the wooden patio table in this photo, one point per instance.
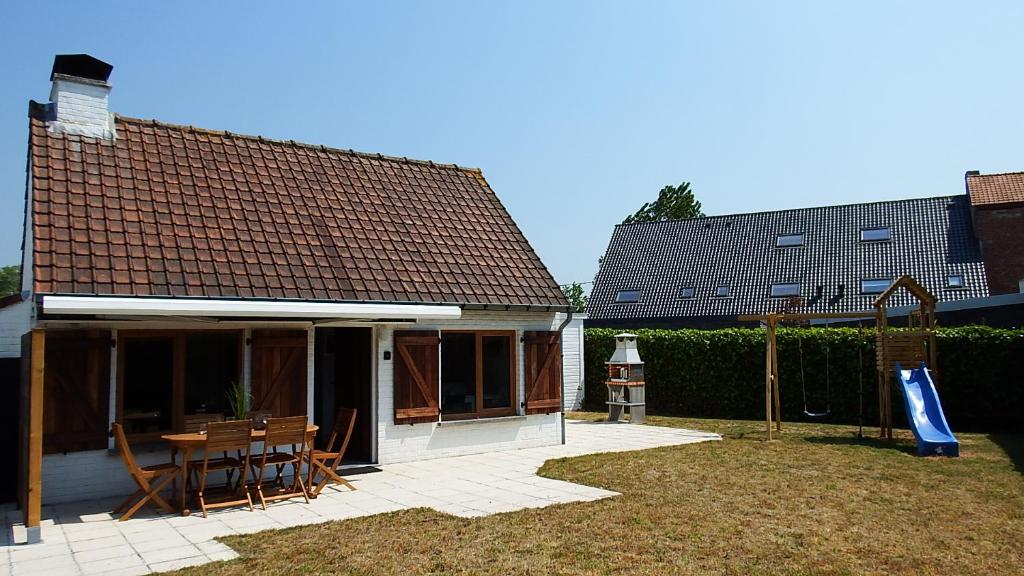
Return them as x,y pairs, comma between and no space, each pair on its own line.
189,441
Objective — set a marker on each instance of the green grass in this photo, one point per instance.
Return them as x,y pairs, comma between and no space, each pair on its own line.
817,502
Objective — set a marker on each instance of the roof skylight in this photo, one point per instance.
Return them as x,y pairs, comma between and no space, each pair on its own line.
874,285
789,240
687,292
627,297
878,234
785,289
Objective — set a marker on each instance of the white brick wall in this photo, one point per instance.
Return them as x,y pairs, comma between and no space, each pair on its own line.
97,473
572,362
82,108
15,320
405,442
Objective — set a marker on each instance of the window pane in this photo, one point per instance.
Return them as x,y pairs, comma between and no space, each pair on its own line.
211,368
722,291
784,240
497,372
687,292
458,373
956,281
148,382
786,289
874,234
874,286
627,296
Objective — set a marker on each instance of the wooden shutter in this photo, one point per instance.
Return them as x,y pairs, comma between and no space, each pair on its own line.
416,376
76,386
543,372
279,376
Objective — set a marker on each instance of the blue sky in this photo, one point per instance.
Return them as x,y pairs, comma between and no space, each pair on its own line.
577,112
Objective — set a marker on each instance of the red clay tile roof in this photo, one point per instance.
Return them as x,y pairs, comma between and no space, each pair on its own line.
176,211
986,189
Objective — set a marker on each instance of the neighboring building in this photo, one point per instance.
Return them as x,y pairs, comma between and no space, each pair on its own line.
704,272
997,208
164,263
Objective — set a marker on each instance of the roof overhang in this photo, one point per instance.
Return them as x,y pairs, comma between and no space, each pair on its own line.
211,307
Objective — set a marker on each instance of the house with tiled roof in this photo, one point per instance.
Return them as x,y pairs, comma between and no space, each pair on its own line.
166,266
705,272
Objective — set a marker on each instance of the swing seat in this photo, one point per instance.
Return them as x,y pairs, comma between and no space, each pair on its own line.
817,414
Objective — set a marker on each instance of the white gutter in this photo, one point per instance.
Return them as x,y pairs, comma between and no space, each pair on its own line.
93,305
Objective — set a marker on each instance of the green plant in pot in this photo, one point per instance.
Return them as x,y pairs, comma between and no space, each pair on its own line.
238,400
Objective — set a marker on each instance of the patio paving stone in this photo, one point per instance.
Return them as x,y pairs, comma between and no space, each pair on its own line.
83,537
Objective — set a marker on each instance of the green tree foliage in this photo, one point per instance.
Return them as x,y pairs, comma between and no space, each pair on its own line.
576,297
673,203
10,280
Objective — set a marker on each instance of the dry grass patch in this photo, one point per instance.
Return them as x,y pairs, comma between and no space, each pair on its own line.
817,502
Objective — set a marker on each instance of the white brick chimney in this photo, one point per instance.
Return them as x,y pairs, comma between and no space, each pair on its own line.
79,97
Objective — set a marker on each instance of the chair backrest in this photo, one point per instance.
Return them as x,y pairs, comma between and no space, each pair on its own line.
195,422
287,430
126,452
231,435
344,423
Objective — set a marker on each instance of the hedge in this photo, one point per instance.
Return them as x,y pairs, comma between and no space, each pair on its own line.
720,374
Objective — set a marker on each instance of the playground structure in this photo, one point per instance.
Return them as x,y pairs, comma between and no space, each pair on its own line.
914,346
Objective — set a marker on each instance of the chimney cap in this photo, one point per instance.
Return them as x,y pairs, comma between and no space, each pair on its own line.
81,66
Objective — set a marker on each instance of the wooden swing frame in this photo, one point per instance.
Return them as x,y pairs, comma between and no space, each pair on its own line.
907,347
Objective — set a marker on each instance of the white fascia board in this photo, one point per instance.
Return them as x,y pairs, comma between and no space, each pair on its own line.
92,305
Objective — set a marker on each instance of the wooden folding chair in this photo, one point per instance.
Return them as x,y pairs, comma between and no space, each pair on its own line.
327,461
195,423
289,431
148,492
235,435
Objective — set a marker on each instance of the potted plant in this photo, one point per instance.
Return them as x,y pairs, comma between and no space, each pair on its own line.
238,400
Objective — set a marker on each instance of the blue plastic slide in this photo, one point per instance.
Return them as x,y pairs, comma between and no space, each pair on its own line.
924,412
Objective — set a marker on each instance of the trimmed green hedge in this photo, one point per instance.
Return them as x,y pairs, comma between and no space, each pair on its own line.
720,374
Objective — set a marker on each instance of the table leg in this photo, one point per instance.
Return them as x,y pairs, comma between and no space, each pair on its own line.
174,460
186,456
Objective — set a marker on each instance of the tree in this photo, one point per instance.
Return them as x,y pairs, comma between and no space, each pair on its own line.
574,294
10,280
673,203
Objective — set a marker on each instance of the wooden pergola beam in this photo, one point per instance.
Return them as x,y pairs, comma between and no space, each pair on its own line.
33,346
786,316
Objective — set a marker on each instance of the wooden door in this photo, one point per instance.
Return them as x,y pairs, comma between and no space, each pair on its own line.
543,372
416,376
279,374
77,390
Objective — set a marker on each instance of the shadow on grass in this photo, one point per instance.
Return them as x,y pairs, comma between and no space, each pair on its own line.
867,442
1013,446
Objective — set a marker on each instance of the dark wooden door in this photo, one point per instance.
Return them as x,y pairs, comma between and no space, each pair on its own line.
279,373
76,389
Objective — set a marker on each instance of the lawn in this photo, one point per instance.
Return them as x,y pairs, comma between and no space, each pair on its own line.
816,502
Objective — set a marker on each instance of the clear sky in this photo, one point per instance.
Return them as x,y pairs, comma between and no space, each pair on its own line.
577,112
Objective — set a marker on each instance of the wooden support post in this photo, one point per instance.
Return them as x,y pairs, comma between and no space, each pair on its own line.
775,380
33,352
768,377
771,380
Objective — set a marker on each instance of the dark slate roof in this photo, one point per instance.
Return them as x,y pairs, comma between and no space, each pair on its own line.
931,239
169,210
